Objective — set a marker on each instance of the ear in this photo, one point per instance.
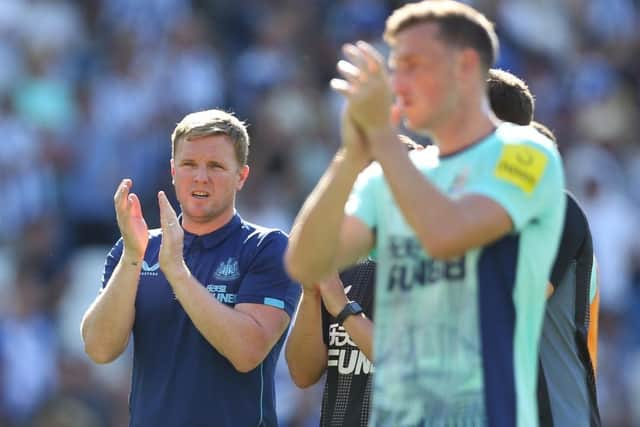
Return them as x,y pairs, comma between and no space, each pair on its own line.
468,63
173,171
243,174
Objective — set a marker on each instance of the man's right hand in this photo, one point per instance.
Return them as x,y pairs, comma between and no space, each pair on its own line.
133,227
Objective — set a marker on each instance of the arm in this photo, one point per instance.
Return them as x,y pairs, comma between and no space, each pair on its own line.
322,238
244,334
359,328
444,226
106,325
306,352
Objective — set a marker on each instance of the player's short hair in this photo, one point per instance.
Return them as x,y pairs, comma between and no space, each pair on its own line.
459,25
544,130
510,97
213,122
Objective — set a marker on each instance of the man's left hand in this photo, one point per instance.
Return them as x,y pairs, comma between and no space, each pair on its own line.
170,258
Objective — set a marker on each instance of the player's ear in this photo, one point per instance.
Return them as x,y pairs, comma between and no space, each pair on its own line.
243,174
468,62
173,172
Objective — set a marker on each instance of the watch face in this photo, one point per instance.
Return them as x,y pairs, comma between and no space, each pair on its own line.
351,308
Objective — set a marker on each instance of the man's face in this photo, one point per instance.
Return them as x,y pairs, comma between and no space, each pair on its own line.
423,76
206,176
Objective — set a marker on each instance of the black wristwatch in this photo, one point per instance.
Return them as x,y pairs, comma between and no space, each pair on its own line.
350,309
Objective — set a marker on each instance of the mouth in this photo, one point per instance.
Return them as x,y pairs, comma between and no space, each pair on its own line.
199,194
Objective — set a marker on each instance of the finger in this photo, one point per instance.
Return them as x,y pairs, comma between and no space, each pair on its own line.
122,191
134,204
121,196
341,86
354,55
168,217
371,56
349,71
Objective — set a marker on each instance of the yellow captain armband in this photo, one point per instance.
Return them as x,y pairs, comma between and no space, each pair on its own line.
522,166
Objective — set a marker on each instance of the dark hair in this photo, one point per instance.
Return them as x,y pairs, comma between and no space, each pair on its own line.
510,97
459,25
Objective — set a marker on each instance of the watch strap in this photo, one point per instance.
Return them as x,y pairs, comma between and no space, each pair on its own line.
350,309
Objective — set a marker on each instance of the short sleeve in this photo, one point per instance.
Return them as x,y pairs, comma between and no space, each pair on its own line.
525,178
266,281
362,201
113,257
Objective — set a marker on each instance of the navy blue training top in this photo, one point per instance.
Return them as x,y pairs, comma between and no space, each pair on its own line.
179,379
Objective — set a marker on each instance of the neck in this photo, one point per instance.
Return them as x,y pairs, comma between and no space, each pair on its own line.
201,227
466,126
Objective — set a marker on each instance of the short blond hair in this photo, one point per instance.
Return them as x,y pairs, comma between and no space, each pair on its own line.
213,122
459,24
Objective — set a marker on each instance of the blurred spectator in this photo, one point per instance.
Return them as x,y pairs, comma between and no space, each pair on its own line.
28,351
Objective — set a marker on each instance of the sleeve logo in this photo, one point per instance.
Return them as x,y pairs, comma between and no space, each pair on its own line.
522,166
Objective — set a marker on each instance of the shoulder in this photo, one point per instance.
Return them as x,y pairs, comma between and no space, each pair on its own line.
526,138
576,220
260,236
524,156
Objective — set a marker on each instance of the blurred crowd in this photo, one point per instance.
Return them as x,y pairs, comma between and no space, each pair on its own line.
90,91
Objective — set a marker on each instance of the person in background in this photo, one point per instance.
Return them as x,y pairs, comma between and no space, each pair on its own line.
568,347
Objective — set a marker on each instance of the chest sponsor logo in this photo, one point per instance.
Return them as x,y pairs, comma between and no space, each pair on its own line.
409,267
227,270
344,355
149,270
522,166
220,293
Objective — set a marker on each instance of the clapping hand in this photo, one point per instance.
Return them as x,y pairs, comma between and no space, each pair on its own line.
170,258
365,84
133,227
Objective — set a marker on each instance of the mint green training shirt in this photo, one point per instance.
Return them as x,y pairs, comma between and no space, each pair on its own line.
456,341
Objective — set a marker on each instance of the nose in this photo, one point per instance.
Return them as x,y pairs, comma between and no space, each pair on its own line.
200,174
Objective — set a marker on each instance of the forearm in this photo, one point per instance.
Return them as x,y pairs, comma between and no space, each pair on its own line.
306,352
234,334
360,329
107,324
435,218
314,239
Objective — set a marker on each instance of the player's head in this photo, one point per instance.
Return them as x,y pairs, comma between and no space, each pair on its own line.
510,97
441,52
208,166
209,123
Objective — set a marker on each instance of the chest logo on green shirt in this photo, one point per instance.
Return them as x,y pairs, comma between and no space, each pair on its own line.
409,267
522,166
